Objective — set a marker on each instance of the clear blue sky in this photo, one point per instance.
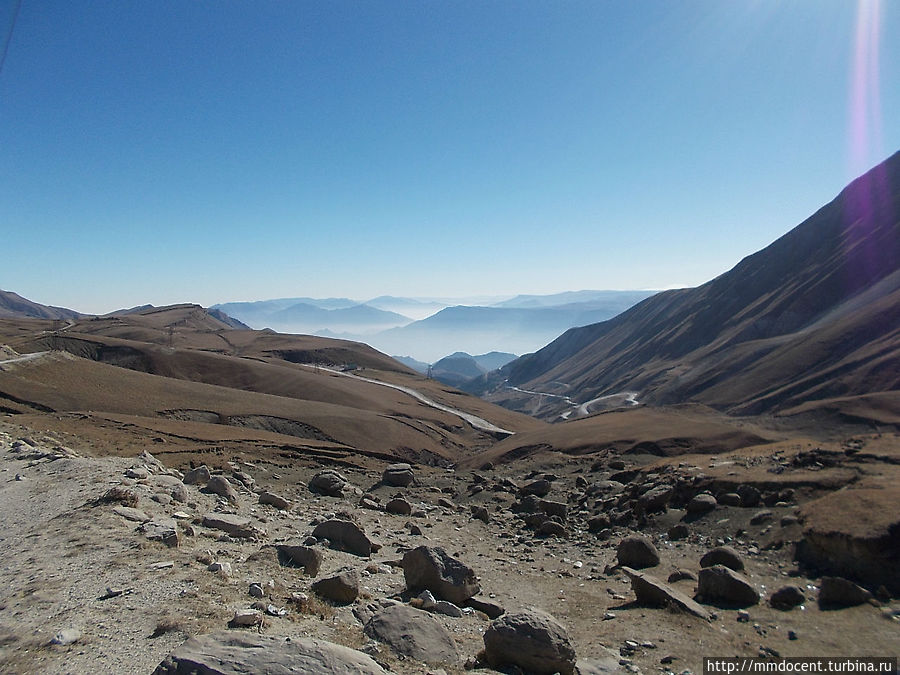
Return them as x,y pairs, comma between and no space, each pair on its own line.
158,151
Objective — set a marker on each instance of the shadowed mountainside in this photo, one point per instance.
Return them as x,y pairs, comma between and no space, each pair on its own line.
13,305
815,316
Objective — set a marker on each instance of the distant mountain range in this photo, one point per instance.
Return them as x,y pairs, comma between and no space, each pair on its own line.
514,325
477,330
811,321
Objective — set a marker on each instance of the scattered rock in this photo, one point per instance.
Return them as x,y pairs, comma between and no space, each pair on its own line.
137,473
531,640
722,555
235,526
551,528
244,618
538,488
637,552
837,592
198,476
681,575
486,606
345,536
598,523
119,494
398,506
66,636
787,597
750,496
730,499
161,529
172,487
236,653
129,513
720,585
652,592
678,532
412,633
398,475
219,485
427,568
655,499
702,503
761,517
480,513
342,588
275,500
307,557
328,482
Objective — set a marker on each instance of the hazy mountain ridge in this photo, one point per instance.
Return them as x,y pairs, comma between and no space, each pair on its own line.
13,305
814,315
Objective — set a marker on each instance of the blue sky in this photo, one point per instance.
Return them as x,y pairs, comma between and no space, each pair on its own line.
214,151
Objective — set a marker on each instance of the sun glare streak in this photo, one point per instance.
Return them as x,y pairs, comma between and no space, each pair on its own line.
865,93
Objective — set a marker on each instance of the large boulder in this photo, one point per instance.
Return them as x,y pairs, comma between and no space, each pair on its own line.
532,640
219,485
398,475
722,555
328,482
413,633
240,653
341,588
344,535
637,552
721,586
433,569
652,592
307,557
835,593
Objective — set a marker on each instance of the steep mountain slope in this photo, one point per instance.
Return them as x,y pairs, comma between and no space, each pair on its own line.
814,316
14,305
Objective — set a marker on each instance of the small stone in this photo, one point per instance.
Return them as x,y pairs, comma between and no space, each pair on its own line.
743,616
678,532
447,608
219,485
792,635
342,588
137,473
761,517
246,617
836,592
66,636
702,503
275,500
398,506
328,482
256,591
787,597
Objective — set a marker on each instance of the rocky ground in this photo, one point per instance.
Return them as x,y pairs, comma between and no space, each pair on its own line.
110,564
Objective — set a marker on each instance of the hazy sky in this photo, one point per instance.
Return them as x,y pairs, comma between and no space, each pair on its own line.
208,151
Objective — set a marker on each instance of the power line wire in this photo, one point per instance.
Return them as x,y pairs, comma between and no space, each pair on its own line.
9,34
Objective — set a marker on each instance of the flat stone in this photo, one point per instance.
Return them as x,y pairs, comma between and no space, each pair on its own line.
413,633
275,500
130,513
161,529
241,653
486,606
652,592
236,526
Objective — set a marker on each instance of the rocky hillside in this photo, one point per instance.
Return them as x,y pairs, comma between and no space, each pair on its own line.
815,316
13,305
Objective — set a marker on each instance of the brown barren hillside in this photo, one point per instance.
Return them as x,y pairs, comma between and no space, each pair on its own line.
814,316
180,370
